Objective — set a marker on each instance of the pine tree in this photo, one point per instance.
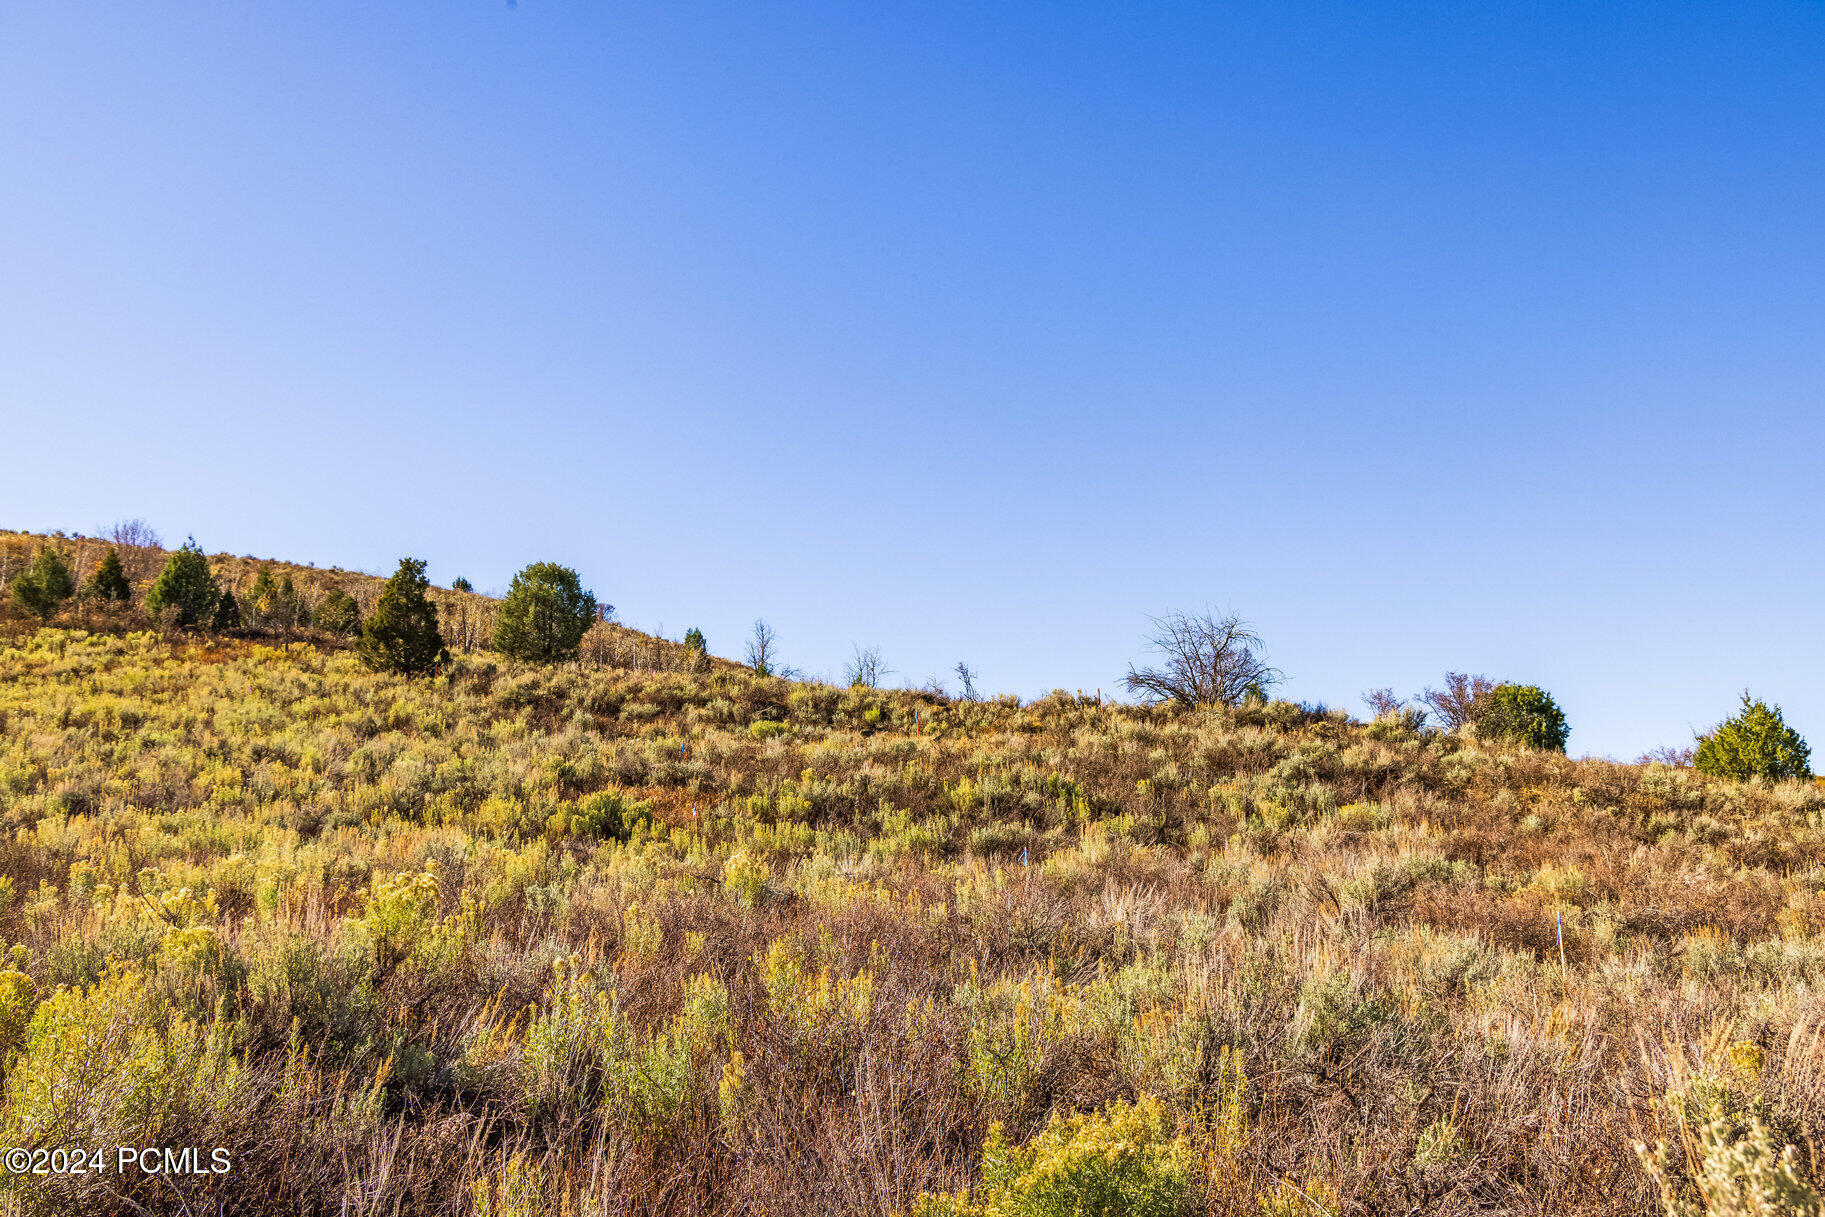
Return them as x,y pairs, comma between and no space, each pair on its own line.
694,641
109,582
1756,743
339,614
43,586
227,615
545,615
185,587
460,584
401,634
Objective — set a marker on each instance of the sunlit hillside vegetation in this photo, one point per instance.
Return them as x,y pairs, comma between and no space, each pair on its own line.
587,937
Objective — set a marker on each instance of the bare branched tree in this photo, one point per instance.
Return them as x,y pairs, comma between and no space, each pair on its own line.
763,649
138,543
135,533
866,668
1460,701
967,675
1209,661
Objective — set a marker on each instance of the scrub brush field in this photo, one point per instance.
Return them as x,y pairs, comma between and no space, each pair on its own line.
586,937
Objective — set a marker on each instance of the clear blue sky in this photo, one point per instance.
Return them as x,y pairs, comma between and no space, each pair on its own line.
1487,337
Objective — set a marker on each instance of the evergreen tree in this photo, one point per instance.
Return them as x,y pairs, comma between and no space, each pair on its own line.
694,641
1523,714
186,586
460,584
401,634
545,615
109,582
44,585
227,615
339,614
1756,743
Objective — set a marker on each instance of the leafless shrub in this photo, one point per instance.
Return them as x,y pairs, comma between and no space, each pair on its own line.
135,533
1678,757
967,675
1383,704
1460,701
1209,661
866,668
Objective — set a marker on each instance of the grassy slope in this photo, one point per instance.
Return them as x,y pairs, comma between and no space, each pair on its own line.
380,938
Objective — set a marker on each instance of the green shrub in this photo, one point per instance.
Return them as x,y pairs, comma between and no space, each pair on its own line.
42,587
1756,743
1525,715
109,582
401,634
545,615
1123,1162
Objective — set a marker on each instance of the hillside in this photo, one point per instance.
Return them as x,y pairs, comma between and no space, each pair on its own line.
603,938
466,617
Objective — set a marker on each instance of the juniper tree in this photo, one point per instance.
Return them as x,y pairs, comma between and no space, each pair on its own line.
184,588
545,614
401,634
42,587
1522,714
1756,743
109,582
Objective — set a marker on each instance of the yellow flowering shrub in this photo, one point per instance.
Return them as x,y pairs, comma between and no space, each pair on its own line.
1125,1161
745,878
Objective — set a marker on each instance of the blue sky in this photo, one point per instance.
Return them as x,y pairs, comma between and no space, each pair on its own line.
1426,336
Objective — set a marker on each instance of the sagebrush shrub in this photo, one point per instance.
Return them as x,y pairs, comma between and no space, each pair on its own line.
1736,1176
